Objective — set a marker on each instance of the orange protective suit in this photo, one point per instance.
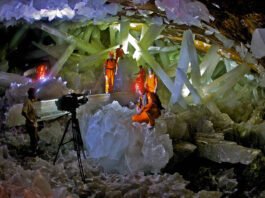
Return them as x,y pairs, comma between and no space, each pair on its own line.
141,75
141,78
110,69
150,110
119,53
41,71
151,83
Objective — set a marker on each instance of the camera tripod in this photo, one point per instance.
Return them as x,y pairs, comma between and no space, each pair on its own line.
77,139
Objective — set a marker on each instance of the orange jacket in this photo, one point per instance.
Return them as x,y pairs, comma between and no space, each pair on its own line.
151,83
148,103
119,53
111,64
141,74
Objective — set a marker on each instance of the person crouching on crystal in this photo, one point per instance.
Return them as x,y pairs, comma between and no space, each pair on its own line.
147,108
30,114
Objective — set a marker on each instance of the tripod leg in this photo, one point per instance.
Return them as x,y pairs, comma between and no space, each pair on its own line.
80,164
61,143
78,143
79,138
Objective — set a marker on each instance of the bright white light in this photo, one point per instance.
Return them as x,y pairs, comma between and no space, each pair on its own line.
133,25
185,91
44,79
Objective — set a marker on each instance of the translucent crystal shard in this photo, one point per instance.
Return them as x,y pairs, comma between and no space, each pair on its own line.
59,64
163,55
228,43
150,35
182,78
187,54
258,43
87,47
195,74
112,32
124,32
226,81
209,63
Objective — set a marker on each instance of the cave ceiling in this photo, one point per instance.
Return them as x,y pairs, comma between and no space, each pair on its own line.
235,20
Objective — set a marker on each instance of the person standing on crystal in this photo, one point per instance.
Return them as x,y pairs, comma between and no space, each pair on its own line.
30,114
147,108
150,84
110,70
151,81
141,77
141,74
119,53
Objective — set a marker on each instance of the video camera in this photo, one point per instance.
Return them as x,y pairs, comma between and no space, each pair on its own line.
71,102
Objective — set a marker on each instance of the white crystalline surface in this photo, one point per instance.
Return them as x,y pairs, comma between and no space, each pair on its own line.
118,145
39,9
258,43
187,11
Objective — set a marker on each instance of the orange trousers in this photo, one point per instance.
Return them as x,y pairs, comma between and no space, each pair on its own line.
109,80
144,117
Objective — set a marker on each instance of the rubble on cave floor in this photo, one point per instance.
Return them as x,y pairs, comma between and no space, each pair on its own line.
36,175
24,174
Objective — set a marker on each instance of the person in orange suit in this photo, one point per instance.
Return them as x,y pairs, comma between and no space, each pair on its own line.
147,108
151,81
41,71
110,70
119,53
141,74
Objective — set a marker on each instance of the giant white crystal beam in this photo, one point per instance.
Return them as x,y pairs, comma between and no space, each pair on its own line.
187,54
55,51
59,64
88,33
183,63
195,74
163,56
150,35
209,63
124,32
157,50
95,40
112,32
7,78
144,29
222,84
83,45
182,77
